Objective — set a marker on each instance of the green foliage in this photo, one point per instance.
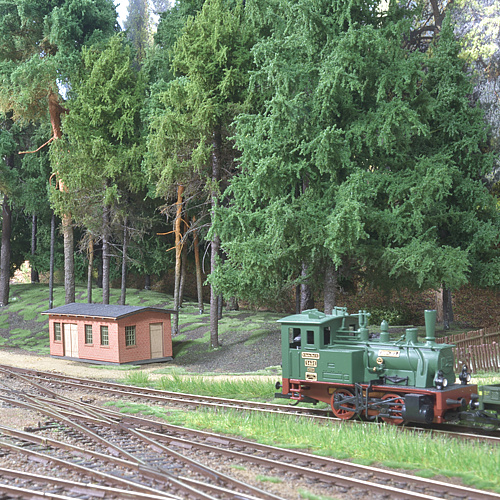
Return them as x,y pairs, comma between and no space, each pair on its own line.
268,479
362,151
32,60
138,378
211,59
311,496
394,315
257,388
103,136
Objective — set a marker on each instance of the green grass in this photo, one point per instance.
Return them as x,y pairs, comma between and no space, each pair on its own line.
477,464
484,378
115,367
268,479
307,495
138,378
235,388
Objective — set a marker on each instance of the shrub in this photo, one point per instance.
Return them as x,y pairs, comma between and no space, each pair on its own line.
394,315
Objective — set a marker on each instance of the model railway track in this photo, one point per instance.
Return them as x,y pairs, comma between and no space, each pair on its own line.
160,396
169,398
107,451
124,445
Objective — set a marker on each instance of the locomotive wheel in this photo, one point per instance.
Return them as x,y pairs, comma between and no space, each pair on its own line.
341,413
396,409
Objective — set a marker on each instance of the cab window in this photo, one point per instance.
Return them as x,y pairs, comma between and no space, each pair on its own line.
310,337
326,336
294,337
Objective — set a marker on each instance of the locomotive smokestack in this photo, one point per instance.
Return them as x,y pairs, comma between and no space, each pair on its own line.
430,327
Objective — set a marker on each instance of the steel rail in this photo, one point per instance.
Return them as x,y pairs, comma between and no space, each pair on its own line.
159,447
440,487
42,457
82,488
454,431
432,484
18,492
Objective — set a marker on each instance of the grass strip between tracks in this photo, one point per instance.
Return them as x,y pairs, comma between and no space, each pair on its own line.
477,464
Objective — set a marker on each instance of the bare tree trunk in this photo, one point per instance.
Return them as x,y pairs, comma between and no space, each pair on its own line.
178,256
220,303
451,316
35,278
330,287
447,308
55,112
51,264
69,260
124,264
99,268
306,295
214,297
199,284
183,269
444,307
214,302
297,299
439,306
90,269
5,252
105,257
232,304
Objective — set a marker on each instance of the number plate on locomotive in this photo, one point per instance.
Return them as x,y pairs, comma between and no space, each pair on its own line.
310,362
388,354
311,376
310,355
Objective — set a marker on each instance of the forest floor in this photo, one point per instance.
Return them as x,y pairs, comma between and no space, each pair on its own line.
249,340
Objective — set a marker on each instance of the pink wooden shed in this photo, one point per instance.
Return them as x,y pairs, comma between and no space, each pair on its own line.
110,334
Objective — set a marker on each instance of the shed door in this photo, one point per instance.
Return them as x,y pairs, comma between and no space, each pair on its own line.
70,340
156,338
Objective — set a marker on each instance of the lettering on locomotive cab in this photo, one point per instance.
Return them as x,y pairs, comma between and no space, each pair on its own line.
388,354
311,369
310,355
310,362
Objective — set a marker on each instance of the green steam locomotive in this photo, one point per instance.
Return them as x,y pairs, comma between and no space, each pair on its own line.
333,358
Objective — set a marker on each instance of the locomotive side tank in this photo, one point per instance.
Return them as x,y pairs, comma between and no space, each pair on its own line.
333,358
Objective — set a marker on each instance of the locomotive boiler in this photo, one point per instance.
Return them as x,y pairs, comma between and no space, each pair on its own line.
333,358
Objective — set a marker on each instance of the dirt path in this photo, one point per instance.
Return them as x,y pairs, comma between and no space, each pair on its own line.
70,368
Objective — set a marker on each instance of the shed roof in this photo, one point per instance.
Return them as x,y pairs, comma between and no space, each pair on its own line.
111,311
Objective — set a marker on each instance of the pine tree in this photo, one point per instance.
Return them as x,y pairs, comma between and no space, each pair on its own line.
363,152
102,137
39,44
188,143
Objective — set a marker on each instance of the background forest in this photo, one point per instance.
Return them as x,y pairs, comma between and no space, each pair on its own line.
287,149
